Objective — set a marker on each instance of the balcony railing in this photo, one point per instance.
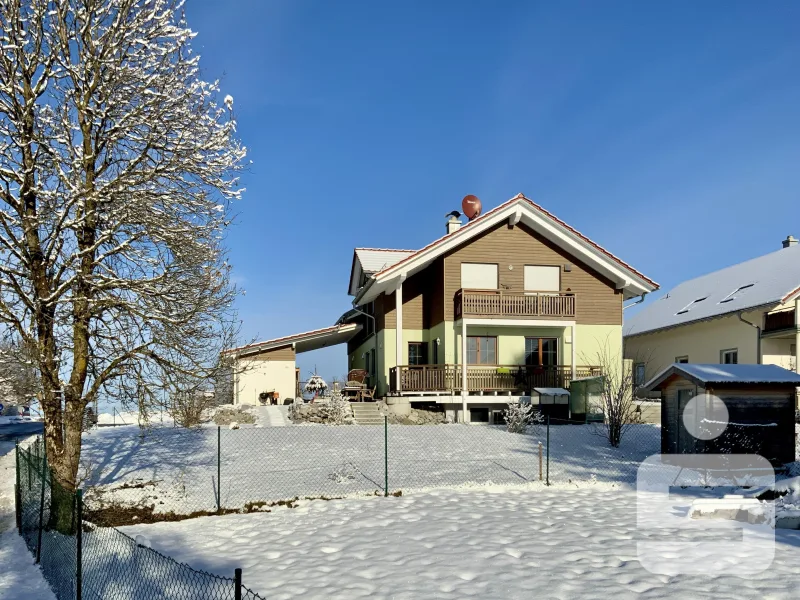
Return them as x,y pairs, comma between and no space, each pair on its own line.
495,378
514,304
779,320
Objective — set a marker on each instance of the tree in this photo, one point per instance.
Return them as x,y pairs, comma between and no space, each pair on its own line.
117,168
18,381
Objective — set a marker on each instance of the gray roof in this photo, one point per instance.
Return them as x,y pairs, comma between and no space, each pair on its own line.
761,281
376,259
726,374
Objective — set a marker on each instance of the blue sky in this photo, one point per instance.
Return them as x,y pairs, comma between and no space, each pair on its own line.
670,134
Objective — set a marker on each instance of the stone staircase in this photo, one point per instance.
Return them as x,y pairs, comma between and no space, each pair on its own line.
366,413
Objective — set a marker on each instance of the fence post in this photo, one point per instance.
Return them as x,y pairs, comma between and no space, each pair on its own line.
43,474
540,461
237,583
219,468
385,456
548,451
17,490
79,545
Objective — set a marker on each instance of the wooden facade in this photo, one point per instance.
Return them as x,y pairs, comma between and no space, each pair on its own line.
282,353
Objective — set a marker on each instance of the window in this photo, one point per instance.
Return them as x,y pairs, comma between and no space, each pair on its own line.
639,374
481,350
541,351
417,353
688,307
479,415
729,357
542,279
477,276
682,359
736,293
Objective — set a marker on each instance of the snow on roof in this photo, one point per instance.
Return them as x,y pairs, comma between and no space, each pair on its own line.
769,279
545,391
720,374
374,260
304,342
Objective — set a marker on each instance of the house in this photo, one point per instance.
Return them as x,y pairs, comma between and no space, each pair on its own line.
746,313
740,409
512,300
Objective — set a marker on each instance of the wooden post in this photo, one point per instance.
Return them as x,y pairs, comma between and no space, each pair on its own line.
540,461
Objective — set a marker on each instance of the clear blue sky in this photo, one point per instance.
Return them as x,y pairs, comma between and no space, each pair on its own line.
668,133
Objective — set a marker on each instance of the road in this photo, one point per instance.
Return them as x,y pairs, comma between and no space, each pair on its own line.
13,431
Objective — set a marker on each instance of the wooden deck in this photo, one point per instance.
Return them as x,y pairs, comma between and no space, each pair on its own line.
514,304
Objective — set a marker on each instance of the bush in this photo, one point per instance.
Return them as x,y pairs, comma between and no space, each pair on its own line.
519,417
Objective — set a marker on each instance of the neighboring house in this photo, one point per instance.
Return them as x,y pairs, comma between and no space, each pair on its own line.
746,313
511,300
757,416
267,369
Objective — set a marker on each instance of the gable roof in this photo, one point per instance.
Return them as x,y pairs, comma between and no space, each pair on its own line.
726,374
760,282
372,260
518,209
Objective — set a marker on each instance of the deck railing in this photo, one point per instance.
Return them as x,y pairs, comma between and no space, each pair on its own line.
510,303
484,378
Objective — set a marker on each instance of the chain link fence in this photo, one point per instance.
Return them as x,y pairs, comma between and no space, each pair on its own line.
80,560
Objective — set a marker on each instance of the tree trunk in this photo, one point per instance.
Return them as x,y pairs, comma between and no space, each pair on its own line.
63,440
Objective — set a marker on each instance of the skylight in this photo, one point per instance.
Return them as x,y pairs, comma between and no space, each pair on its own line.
688,307
736,293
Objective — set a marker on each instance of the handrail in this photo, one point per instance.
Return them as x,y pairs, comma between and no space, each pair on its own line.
514,303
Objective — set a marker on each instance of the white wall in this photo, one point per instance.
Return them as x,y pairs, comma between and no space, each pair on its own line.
264,376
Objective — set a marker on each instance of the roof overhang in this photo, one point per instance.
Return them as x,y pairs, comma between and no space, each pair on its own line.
732,313
790,381
517,210
302,342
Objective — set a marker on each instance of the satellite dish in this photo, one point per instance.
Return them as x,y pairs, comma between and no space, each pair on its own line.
471,206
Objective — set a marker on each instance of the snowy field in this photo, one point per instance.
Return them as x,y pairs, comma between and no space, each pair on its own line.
175,469
488,543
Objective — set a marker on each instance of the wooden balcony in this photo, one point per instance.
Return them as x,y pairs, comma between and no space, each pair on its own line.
515,379
514,304
779,320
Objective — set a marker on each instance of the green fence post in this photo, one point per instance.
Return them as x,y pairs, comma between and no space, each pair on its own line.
385,456
17,490
79,545
42,473
237,583
547,481
219,468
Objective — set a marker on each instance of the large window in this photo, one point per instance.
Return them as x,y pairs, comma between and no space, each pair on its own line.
639,371
541,351
542,279
417,353
481,350
729,357
479,276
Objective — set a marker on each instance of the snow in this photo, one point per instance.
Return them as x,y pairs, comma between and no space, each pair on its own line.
229,102
490,543
175,469
19,576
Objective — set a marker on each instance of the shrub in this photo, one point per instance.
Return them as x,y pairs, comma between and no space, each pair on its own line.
519,417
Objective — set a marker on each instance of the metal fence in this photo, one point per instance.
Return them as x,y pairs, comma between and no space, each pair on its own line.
174,473
80,560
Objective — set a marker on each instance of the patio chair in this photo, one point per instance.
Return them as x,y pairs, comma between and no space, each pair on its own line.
368,394
357,375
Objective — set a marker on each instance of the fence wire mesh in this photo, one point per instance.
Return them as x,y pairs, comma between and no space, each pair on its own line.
81,560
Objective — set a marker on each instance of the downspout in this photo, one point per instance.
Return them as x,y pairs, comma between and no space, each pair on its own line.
639,301
758,341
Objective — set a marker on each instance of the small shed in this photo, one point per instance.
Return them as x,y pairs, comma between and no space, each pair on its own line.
552,402
739,409
586,399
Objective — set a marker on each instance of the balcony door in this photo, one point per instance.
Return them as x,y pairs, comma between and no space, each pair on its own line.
479,276
541,352
540,278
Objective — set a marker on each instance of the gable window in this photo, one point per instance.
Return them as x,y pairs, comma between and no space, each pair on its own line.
682,359
729,357
541,351
639,374
542,279
481,350
479,276
736,293
417,353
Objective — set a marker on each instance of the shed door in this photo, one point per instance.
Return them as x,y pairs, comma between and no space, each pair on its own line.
478,276
686,441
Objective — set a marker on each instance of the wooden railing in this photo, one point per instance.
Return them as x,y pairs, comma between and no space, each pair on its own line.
480,378
509,303
779,320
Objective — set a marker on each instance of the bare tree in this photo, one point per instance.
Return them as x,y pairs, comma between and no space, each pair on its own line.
18,379
117,168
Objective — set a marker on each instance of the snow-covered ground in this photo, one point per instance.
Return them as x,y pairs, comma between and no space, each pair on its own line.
175,469
19,576
488,543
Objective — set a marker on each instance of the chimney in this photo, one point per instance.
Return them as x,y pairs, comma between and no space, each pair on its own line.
789,241
453,222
